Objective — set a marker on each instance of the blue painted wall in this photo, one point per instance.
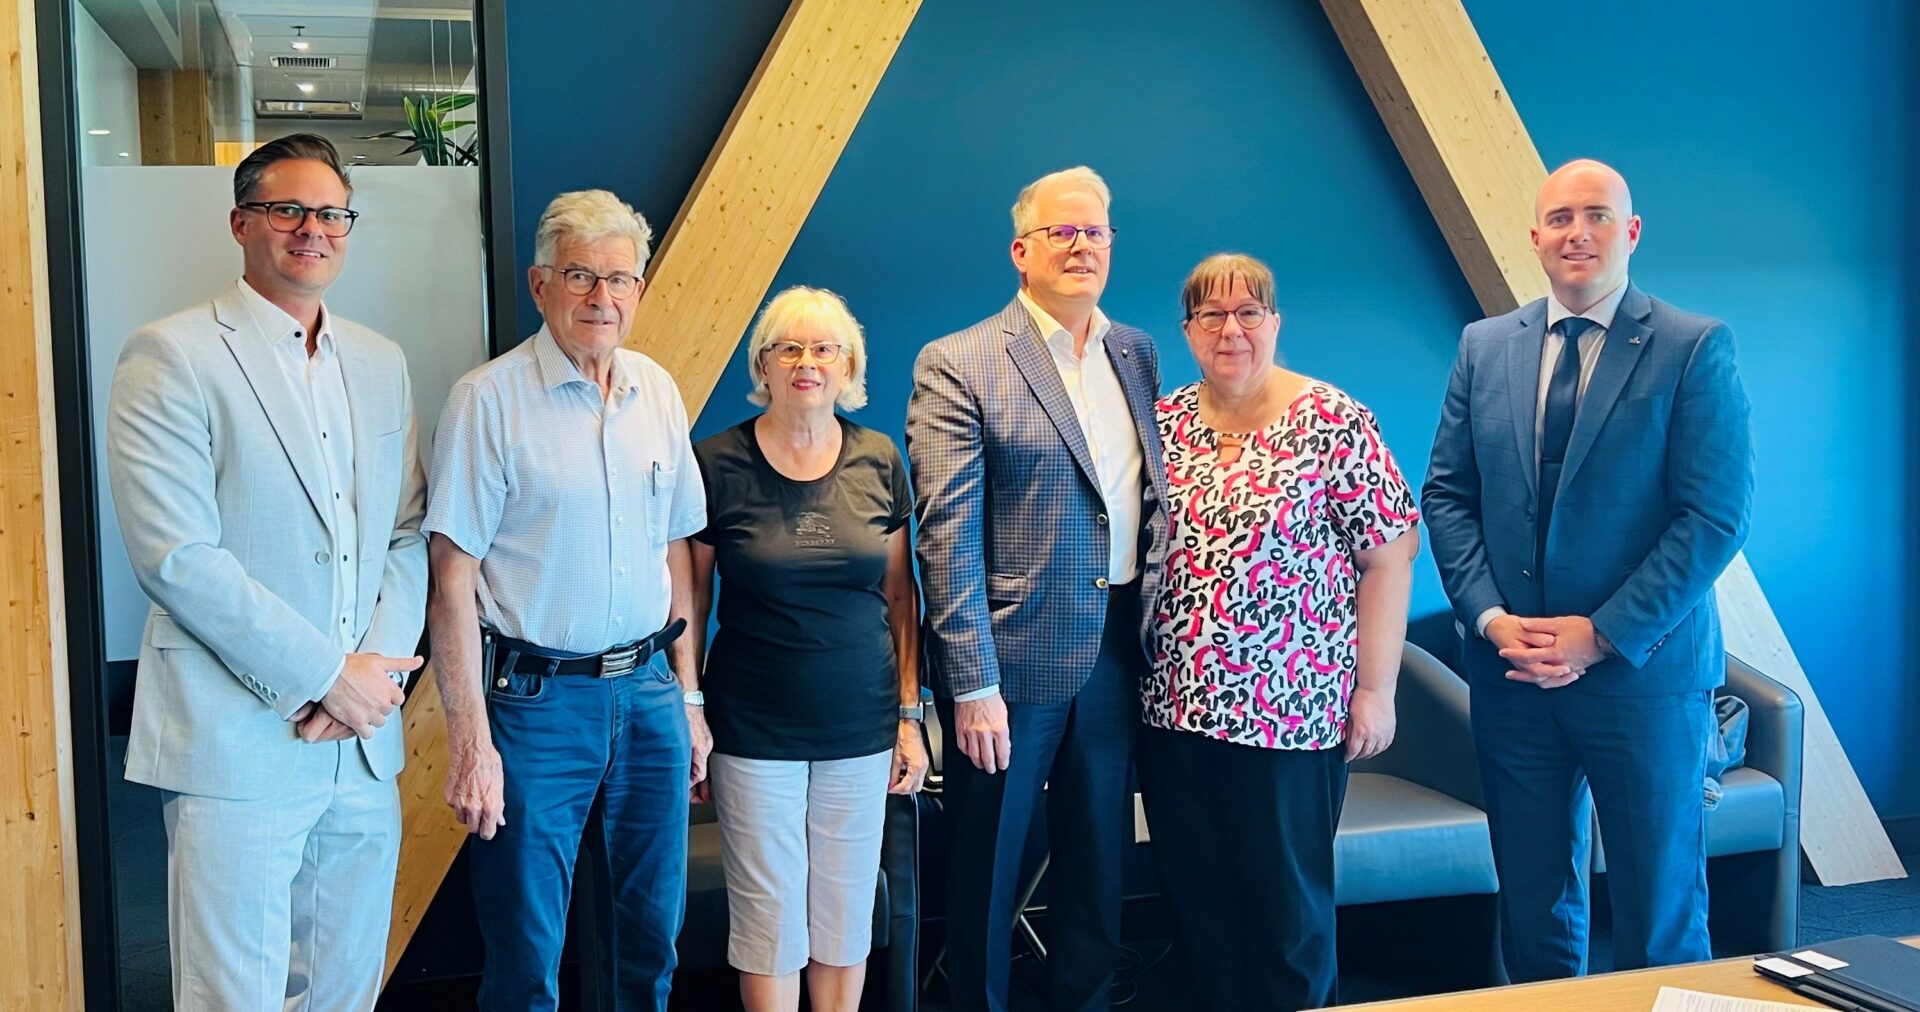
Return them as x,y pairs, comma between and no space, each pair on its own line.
1772,157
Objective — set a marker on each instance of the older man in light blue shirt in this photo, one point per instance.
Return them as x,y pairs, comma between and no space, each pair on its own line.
563,491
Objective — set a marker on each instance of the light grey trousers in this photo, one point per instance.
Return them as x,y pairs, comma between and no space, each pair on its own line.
282,903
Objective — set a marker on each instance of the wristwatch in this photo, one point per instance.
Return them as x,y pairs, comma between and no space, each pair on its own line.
696,698
917,711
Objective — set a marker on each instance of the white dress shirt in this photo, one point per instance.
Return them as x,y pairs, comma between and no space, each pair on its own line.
1601,313
321,390
1100,404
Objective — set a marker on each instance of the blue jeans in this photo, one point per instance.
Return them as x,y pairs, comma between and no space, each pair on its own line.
566,743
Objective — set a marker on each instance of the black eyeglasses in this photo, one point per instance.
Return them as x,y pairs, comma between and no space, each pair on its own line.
581,281
1062,236
1211,320
289,215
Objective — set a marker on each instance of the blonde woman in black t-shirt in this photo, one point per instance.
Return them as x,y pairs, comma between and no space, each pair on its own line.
811,681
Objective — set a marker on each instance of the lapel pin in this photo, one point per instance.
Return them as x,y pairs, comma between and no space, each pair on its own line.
1635,339
1126,353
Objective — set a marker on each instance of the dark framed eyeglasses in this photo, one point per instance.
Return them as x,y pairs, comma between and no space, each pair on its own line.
790,352
581,281
1211,320
1062,236
289,215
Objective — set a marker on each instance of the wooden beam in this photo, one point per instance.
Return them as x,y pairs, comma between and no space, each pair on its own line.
1443,103
760,182
40,964
176,118
706,281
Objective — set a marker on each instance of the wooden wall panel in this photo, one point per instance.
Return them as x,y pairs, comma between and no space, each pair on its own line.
707,279
1441,99
39,917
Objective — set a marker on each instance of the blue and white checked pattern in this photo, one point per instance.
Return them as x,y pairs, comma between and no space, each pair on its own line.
1013,530
567,501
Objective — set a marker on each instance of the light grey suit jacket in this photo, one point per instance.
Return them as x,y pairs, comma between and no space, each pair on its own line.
219,485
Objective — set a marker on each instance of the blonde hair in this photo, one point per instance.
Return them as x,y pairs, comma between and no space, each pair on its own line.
1026,209
588,216
1218,272
801,306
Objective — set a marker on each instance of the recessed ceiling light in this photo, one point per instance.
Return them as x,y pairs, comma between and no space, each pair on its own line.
98,132
359,158
124,154
306,87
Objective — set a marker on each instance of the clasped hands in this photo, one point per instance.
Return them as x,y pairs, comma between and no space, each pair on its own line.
1547,652
359,701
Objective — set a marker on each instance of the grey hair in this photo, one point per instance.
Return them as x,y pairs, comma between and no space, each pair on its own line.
800,306
1026,209
587,216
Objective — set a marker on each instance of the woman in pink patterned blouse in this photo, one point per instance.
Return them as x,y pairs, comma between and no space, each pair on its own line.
1278,635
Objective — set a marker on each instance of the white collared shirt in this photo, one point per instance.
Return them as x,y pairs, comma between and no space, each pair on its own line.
1591,343
1100,404
321,389
567,497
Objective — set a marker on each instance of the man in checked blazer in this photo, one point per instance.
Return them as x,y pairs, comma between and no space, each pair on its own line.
1592,476
261,452
1037,470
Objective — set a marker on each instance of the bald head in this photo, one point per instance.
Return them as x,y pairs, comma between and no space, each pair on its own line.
1584,232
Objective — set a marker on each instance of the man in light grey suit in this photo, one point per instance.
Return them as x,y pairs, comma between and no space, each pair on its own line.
263,467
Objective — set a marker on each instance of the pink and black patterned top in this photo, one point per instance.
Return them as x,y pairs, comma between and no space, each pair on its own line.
1256,625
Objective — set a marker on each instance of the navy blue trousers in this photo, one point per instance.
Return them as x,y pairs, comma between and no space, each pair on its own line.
1079,752
1243,838
566,743
1548,759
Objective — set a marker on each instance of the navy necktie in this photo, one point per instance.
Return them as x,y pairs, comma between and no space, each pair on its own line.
1556,425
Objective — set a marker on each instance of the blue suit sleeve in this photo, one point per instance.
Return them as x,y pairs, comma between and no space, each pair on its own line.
1710,488
947,455
1450,501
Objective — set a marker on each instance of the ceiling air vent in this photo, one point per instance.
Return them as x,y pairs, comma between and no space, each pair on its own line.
305,62
276,109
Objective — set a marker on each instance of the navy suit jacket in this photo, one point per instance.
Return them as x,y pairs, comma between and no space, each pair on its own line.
1655,496
1014,531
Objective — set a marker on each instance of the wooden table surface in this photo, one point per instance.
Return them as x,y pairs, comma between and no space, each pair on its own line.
1632,989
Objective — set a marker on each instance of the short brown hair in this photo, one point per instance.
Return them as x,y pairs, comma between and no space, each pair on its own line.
1218,272
246,176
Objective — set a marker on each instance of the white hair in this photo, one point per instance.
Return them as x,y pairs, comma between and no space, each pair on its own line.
588,216
801,306
1026,209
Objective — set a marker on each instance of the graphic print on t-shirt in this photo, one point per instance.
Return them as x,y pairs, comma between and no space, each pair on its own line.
812,530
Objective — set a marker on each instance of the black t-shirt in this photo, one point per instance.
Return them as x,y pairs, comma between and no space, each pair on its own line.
802,667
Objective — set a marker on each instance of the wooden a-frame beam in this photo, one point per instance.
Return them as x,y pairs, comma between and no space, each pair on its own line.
704,284
1443,103
40,964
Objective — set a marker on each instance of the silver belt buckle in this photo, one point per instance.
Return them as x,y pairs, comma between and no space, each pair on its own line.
615,663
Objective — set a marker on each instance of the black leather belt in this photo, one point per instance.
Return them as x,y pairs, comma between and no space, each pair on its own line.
533,659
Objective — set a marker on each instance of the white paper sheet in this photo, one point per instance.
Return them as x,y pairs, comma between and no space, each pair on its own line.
1677,999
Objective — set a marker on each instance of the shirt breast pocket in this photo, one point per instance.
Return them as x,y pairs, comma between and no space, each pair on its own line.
659,495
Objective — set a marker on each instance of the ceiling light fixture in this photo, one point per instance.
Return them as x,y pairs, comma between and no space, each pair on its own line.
124,154
306,87
98,132
299,41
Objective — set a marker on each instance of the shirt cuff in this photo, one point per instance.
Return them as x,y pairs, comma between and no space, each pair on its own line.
982,693
1486,618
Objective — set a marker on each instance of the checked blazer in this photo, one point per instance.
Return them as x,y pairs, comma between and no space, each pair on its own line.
1013,530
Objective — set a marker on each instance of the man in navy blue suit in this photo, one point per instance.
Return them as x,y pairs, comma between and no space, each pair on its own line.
1592,476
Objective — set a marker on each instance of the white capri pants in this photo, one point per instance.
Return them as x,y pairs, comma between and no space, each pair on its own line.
800,842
